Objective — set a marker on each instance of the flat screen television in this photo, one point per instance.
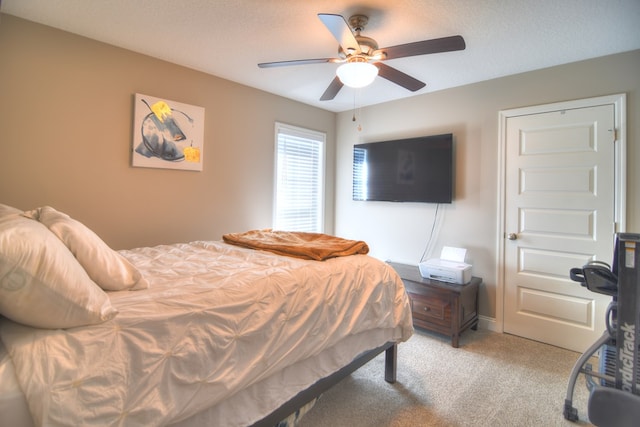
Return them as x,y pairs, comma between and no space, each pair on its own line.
406,170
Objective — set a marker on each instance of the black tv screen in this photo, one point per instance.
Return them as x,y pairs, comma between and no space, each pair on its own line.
406,170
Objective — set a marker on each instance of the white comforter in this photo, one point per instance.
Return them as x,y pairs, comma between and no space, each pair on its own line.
215,320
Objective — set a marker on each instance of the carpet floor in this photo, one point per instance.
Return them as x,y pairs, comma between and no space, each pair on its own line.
492,379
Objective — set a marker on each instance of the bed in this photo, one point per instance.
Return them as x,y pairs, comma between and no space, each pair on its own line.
190,334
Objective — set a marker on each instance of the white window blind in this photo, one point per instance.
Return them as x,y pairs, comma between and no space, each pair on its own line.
360,173
299,180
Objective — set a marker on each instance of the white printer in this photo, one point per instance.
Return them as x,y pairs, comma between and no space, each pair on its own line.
450,267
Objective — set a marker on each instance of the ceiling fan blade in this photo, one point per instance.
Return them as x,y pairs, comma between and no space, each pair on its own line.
340,29
295,62
444,44
332,90
398,77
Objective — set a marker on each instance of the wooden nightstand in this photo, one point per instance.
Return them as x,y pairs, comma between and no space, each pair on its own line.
441,307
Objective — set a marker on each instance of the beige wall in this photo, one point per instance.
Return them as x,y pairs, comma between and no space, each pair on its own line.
400,232
66,128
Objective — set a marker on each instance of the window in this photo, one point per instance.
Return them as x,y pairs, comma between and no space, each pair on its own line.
299,180
360,174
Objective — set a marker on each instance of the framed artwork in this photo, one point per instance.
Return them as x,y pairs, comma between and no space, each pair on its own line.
167,134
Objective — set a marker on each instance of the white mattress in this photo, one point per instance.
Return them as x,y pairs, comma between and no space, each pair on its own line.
215,337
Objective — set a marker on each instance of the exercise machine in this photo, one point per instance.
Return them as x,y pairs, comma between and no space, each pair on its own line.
614,399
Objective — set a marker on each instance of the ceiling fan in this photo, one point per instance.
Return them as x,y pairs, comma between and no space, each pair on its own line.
358,49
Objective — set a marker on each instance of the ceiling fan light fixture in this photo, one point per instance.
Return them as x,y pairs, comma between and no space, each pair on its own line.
357,74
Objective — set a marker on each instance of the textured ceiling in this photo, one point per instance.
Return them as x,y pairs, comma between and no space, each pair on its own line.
228,38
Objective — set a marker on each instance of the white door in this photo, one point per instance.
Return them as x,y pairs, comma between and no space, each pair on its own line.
559,214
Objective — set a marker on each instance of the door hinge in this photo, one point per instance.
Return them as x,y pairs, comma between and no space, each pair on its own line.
615,134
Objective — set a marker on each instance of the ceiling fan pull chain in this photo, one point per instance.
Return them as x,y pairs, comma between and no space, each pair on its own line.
357,108
354,107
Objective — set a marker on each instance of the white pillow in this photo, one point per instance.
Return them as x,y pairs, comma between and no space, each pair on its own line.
6,210
41,283
110,270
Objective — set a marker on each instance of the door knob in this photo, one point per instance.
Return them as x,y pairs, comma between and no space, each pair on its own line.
512,236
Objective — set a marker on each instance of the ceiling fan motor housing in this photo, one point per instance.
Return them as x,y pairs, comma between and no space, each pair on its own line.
367,45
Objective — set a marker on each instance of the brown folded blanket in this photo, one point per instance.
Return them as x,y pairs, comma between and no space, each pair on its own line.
315,246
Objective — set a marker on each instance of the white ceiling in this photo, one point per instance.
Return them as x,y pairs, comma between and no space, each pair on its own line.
228,38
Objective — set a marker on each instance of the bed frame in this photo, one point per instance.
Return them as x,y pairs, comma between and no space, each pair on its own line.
324,384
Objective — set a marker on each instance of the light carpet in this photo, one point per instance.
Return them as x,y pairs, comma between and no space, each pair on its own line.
492,379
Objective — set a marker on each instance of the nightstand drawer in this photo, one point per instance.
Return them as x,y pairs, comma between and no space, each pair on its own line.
431,309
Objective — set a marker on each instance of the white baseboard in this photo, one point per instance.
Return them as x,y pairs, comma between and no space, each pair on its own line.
489,323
